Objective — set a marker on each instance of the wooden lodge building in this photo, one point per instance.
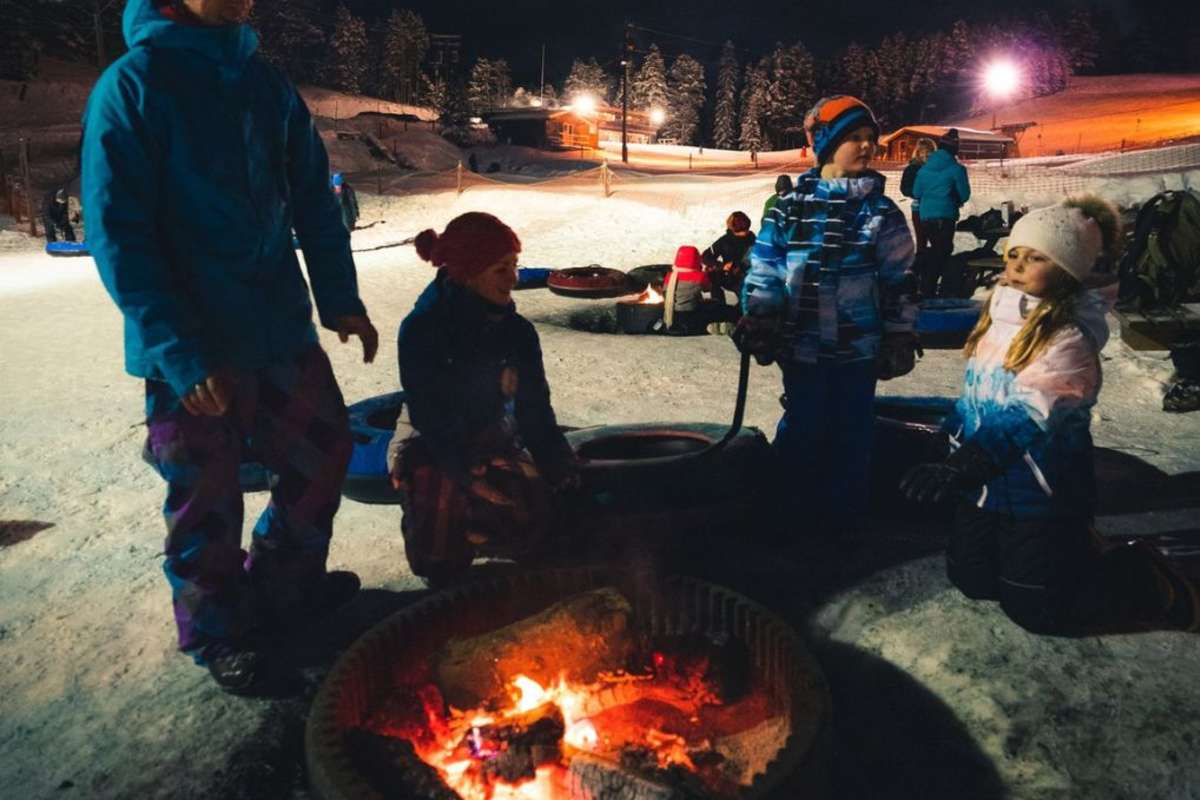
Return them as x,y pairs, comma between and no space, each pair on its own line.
565,128
973,144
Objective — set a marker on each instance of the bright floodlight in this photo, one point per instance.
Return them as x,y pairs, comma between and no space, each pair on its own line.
1001,79
585,104
536,102
657,116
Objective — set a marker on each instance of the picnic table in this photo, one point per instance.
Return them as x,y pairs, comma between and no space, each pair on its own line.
1158,329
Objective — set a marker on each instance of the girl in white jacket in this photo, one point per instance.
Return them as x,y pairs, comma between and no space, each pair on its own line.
1023,465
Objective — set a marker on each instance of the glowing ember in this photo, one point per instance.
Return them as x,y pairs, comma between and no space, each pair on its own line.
650,296
582,736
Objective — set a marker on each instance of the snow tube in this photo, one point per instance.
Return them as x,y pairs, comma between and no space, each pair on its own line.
945,323
372,423
908,431
532,277
252,476
67,249
645,481
590,283
650,275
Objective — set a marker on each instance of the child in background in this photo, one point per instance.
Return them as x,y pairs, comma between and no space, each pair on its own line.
690,305
727,259
1023,468
487,452
783,187
828,297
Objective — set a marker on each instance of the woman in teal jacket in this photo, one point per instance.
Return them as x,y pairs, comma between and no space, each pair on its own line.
198,161
941,189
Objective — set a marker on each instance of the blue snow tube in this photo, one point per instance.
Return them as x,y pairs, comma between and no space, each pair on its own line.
532,277
946,323
372,423
67,249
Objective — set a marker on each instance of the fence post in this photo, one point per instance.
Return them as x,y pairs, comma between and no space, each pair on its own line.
28,185
689,162
605,179
458,176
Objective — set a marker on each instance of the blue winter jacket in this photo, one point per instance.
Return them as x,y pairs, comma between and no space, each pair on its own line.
832,264
941,187
198,160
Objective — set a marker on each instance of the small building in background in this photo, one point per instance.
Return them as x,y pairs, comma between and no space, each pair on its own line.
544,128
640,130
972,144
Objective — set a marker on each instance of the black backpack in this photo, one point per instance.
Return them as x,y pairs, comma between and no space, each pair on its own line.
1161,266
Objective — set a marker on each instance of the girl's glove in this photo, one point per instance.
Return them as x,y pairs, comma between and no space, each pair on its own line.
898,353
757,336
968,467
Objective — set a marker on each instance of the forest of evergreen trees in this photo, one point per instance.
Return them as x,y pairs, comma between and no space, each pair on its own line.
719,95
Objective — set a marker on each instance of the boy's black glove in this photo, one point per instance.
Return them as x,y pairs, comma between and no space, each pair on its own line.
757,336
898,354
968,467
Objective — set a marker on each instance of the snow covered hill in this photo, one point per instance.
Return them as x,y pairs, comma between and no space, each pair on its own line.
1099,112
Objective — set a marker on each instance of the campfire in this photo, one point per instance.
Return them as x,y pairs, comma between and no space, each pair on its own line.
580,700
650,296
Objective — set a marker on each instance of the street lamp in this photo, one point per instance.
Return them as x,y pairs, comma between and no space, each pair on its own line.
584,103
657,117
1000,81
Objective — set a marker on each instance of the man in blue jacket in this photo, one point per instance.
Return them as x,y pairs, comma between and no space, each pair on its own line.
199,159
941,189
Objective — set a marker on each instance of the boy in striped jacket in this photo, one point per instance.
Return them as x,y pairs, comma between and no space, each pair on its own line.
829,298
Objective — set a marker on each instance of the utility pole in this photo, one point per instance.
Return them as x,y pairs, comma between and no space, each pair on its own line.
101,56
542,93
626,57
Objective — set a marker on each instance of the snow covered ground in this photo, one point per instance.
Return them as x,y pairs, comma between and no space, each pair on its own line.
938,697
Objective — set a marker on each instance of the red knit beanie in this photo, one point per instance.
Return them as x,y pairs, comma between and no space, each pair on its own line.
687,257
471,243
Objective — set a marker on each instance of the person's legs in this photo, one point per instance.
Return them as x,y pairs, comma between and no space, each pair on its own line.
941,245
68,232
199,458
51,232
972,559
799,439
849,428
1048,576
300,430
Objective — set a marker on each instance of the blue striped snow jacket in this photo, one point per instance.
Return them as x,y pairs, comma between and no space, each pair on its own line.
832,264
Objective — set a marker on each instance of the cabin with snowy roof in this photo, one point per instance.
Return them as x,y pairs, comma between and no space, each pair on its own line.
973,144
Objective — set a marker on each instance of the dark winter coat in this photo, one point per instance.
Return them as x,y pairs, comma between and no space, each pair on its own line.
941,187
199,159
909,179
54,211
348,200
730,249
831,263
454,350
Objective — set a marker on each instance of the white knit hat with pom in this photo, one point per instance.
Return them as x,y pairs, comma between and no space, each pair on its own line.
1064,235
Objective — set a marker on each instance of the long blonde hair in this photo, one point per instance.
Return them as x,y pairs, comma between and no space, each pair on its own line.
1057,310
923,148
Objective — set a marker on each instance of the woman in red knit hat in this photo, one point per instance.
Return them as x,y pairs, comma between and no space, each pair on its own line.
479,472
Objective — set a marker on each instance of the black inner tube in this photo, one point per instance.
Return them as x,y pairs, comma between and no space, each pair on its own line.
639,446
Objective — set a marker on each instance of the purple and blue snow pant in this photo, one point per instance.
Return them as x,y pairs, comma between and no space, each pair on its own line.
824,441
290,417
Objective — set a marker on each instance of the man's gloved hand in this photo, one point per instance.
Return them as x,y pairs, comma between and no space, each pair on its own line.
757,336
968,467
898,353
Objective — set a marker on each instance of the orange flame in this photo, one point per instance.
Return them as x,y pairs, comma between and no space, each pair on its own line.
650,296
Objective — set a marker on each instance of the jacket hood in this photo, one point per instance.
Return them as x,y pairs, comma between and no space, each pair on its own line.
940,160
143,24
1012,306
864,185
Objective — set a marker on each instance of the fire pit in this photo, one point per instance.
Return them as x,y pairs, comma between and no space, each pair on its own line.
639,314
580,684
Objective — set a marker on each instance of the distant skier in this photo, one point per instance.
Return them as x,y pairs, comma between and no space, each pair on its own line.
347,199
56,216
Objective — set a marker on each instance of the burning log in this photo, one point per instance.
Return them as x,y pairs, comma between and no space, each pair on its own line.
394,763
581,636
514,750
592,778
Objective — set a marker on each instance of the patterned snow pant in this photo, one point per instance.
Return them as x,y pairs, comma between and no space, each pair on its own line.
290,417
824,441
446,525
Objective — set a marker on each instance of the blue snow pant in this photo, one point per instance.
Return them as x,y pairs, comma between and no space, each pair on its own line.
290,417
824,441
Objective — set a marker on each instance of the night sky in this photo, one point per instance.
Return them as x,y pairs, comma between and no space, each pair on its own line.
516,29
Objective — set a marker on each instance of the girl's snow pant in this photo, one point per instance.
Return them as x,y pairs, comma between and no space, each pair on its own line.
824,440
290,417
1051,575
